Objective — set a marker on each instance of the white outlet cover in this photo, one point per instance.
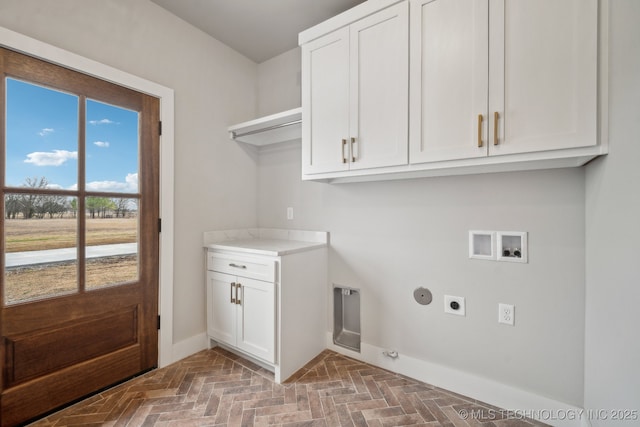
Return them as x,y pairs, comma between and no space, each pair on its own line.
448,299
506,314
482,244
510,240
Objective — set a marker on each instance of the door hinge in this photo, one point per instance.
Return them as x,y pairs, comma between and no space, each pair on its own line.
158,321
159,225
160,128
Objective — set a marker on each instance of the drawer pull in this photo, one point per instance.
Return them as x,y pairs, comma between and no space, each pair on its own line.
237,265
233,288
479,130
238,286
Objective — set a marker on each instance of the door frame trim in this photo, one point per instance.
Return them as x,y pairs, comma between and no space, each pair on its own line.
32,47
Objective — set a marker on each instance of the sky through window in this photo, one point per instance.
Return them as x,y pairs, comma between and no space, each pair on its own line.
42,140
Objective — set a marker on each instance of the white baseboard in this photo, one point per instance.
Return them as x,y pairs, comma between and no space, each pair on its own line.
522,402
189,346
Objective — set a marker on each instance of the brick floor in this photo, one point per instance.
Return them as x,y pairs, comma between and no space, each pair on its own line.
217,388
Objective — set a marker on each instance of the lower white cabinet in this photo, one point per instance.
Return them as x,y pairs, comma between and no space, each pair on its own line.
268,303
242,313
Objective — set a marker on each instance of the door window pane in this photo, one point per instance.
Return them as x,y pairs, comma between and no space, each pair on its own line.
40,247
41,136
112,148
112,241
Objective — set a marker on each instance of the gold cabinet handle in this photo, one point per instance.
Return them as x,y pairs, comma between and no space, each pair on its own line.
479,130
238,286
233,288
353,156
496,116
344,144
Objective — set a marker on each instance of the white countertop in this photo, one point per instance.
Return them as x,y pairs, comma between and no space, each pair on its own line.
270,242
270,247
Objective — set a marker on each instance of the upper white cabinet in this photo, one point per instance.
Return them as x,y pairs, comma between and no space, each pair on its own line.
543,75
325,103
449,79
494,77
355,94
493,86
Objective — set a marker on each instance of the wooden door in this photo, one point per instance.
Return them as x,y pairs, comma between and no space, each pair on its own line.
325,103
543,70
449,79
256,318
79,283
379,89
221,307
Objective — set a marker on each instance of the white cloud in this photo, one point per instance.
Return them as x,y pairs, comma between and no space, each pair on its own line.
101,144
106,186
101,122
46,131
51,158
132,180
130,185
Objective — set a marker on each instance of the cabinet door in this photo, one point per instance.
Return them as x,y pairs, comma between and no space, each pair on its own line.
221,311
256,318
379,86
543,59
449,79
325,103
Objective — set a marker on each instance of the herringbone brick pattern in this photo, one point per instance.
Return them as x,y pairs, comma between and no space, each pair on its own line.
217,388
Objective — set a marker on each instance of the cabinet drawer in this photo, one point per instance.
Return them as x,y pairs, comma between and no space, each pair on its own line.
243,266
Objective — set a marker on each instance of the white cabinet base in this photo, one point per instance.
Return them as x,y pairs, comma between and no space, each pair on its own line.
212,343
302,310
297,280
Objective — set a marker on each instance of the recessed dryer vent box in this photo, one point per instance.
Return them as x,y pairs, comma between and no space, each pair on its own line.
512,246
346,317
482,244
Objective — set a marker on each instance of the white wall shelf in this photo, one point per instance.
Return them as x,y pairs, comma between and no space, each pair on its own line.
272,129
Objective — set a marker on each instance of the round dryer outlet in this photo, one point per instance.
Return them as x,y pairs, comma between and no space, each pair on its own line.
423,296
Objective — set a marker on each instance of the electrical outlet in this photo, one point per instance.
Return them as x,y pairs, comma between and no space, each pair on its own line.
289,213
506,314
454,305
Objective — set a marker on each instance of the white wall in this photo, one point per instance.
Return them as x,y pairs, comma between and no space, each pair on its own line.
612,357
389,238
279,83
214,87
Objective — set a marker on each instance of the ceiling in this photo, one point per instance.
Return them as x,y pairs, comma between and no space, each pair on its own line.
259,29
